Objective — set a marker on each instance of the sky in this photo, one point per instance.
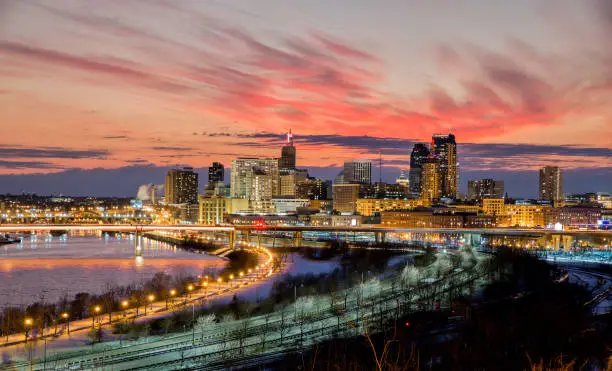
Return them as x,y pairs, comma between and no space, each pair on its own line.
99,97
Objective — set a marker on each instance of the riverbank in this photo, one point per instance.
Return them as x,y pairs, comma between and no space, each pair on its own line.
159,297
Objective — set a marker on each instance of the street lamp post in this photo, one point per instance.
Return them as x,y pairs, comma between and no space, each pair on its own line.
67,318
28,324
97,310
124,305
229,282
172,293
151,299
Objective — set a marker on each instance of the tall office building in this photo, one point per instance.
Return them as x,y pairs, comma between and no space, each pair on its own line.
181,186
444,149
430,182
485,188
289,180
357,172
287,160
216,172
345,197
418,155
551,184
313,189
247,178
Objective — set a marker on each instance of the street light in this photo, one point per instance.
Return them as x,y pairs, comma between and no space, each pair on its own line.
124,304
151,299
28,324
67,318
97,310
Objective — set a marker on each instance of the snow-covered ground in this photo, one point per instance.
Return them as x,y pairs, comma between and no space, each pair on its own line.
307,321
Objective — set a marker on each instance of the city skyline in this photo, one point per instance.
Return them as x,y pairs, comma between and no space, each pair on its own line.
203,82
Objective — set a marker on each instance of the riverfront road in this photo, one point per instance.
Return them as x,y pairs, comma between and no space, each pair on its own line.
273,228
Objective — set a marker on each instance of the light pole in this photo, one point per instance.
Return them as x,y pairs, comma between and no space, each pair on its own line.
189,289
28,325
124,305
97,310
66,316
172,293
151,299
229,282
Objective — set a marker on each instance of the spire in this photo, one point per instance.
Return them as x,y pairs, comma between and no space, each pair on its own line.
290,138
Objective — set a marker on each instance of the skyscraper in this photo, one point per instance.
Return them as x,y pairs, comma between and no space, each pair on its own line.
247,179
287,160
485,188
444,149
181,186
430,182
551,184
216,173
357,172
419,153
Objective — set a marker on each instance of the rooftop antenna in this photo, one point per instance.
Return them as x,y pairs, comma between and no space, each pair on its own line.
379,166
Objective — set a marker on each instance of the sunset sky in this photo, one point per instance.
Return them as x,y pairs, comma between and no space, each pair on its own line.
97,97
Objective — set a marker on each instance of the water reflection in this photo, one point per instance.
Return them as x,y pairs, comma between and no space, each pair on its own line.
58,265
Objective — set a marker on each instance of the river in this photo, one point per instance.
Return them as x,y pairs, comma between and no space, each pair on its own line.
47,267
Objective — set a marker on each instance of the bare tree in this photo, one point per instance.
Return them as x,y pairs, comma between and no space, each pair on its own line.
242,334
263,335
285,326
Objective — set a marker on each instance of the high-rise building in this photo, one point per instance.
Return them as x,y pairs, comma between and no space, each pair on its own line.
444,149
287,160
289,180
248,178
551,184
345,197
181,186
357,172
430,182
314,189
216,174
418,155
485,188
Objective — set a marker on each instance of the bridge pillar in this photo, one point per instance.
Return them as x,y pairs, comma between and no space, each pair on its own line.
467,240
231,237
556,241
380,237
568,241
297,239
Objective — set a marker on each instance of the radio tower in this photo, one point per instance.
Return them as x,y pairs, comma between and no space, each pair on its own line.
379,166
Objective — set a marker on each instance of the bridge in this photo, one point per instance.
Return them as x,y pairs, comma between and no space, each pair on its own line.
469,236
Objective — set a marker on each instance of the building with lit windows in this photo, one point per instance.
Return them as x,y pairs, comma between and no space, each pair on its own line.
551,184
430,182
255,178
485,188
214,210
419,153
345,197
371,206
289,179
494,206
288,154
216,173
444,150
357,172
181,186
